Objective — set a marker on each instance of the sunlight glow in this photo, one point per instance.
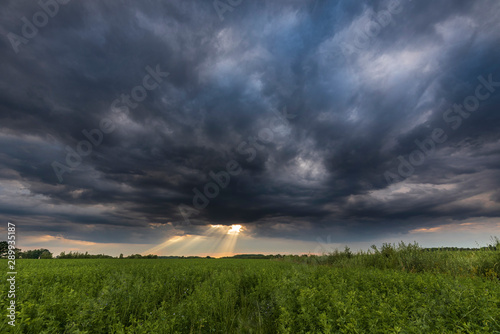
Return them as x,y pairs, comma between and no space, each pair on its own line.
163,245
216,240
235,229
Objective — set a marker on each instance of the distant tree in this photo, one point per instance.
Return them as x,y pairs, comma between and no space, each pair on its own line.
86,255
36,254
121,256
46,255
4,248
134,256
139,256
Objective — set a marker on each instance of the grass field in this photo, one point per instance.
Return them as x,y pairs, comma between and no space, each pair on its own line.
340,293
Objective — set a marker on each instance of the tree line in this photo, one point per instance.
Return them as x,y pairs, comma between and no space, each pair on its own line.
41,253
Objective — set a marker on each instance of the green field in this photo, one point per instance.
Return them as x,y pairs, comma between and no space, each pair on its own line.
340,293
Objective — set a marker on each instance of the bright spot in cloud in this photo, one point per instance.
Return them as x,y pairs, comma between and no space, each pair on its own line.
235,229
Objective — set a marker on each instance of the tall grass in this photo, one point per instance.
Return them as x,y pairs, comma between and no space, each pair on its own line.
484,262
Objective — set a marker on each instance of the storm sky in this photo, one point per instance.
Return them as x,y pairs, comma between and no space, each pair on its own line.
124,124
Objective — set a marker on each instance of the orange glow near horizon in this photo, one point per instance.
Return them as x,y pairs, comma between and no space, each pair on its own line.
216,240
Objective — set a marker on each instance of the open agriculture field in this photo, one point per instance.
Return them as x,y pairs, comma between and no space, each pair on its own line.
249,296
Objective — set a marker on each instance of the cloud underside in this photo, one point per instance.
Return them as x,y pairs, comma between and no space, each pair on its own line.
313,118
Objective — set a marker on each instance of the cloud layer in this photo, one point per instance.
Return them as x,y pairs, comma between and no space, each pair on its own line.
314,101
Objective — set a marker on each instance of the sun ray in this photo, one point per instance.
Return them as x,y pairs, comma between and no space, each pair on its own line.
217,239
184,248
217,242
163,245
228,244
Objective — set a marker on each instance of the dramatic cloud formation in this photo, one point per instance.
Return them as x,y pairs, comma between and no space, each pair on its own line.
132,122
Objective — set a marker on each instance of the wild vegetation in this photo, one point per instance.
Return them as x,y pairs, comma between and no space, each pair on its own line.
394,289
482,262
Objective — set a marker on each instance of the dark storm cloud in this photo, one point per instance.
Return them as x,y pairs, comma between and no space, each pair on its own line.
351,115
